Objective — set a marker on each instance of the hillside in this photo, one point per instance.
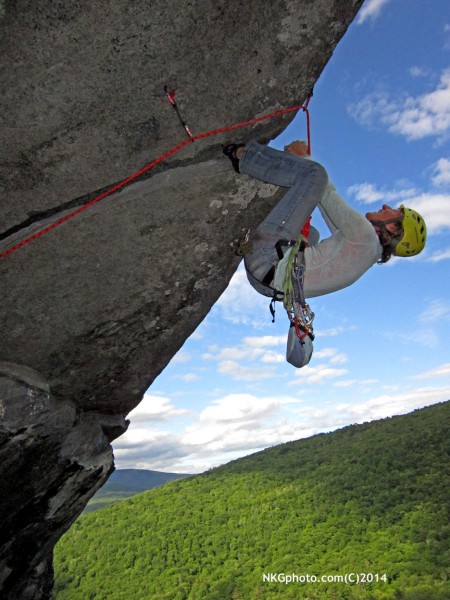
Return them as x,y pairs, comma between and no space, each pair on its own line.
370,499
125,483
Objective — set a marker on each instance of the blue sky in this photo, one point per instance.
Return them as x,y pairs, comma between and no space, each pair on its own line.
381,127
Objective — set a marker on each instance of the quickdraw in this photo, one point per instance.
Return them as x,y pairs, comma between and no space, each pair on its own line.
146,168
298,311
171,98
301,314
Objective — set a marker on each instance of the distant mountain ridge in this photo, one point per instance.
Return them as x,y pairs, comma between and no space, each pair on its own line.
124,483
368,500
138,480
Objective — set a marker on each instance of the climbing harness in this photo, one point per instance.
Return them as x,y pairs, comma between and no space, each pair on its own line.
191,138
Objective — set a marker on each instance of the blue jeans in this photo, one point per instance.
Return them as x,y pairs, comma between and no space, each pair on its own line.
306,181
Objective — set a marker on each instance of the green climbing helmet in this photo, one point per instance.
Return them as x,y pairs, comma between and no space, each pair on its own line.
414,234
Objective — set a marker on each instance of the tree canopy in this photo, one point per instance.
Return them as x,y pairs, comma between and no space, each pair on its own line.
370,500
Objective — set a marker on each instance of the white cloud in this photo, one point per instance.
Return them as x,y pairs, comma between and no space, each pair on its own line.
245,362
333,331
154,409
434,207
413,117
239,408
388,405
370,10
345,383
240,303
240,372
240,423
440,255
190,377
264,340
367,193
217,442
318,374
427,338
181,357
249,360
440,371
441,171
262,422
435,312
272,357
369,381
333,354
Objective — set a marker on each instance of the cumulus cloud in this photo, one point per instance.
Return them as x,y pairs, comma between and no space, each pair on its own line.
271,357
368,193
345,383
388,405
155,409
333,331
182,357
264,340
240,303
248,361
415,118
332,354
370,10
217,442
241,372
434,207
237,424
318,374
149,449
264,422
441,170
239,408
190,377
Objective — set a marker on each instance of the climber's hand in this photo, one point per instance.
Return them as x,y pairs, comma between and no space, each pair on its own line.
299,148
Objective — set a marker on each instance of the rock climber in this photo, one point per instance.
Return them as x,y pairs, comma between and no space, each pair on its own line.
356,243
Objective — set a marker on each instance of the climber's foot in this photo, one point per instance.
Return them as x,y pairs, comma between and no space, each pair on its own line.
234,153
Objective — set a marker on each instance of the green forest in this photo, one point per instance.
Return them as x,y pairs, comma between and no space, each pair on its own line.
368,503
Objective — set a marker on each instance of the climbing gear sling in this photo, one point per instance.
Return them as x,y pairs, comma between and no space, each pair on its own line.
301,335
301,317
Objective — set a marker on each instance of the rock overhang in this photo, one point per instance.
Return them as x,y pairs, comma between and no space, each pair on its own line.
95,309
84,106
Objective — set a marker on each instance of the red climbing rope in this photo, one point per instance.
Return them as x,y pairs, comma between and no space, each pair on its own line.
122,184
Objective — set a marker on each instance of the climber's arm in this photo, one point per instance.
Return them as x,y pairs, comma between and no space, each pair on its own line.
338,215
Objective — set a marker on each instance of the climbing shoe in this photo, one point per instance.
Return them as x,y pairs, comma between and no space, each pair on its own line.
230,152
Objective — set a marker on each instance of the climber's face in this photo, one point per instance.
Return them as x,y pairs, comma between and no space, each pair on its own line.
391,217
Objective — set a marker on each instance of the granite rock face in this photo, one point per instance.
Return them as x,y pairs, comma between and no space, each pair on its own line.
95,309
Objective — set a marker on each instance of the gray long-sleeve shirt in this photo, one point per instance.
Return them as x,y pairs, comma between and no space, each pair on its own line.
339,260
